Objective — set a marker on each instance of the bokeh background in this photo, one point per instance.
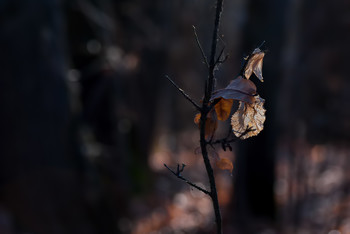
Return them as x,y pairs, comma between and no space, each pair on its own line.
87,118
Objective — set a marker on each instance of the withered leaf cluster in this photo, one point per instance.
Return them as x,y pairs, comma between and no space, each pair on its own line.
248,120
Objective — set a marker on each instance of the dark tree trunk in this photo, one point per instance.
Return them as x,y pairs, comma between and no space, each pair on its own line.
39,182
254,184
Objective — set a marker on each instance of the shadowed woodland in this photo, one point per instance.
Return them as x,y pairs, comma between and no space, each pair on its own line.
88,118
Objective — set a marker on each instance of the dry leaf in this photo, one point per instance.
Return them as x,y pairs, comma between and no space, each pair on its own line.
249,116
197,118
225,164
254,64
210,125
223,108
239,89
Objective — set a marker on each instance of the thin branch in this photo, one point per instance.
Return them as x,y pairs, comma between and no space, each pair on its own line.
178,175
184,94
209,86
200,46
219,7
204,110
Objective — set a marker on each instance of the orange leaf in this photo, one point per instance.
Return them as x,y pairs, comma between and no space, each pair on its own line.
223,108
197,118
225,164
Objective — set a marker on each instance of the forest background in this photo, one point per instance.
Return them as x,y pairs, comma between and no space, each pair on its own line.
88,119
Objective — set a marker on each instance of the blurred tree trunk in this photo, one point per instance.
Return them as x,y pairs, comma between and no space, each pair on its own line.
254,185
317,71
40,187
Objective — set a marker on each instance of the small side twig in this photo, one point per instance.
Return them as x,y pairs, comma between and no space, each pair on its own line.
218,59
184,94
200,46
178,175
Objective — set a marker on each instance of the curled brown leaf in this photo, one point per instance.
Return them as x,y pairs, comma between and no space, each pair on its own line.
249,117
254,65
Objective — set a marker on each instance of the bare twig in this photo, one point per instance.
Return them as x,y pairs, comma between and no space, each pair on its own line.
218,59
178,175
210,87
184,94
200,46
